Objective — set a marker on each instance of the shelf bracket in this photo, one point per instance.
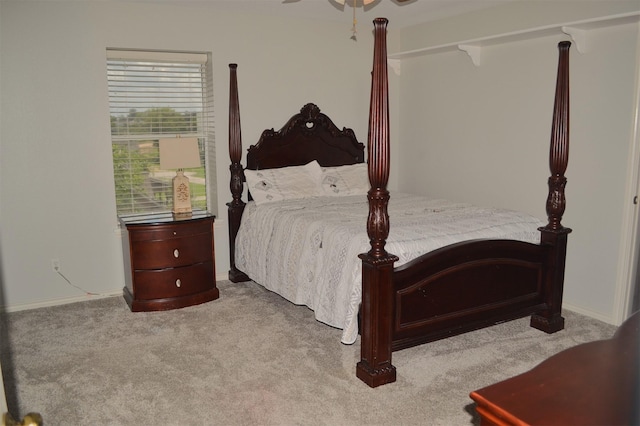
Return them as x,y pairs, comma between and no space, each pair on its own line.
394,64
579,37
473,51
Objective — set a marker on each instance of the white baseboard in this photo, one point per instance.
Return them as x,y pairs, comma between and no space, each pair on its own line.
82,298
589,313
63,301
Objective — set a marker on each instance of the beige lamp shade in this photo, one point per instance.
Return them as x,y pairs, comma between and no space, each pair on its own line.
179,153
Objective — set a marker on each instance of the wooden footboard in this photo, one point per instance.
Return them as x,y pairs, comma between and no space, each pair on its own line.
464,287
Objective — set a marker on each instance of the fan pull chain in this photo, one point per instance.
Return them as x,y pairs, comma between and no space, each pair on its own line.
355,22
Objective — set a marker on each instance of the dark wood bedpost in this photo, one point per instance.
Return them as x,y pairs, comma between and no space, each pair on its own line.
375,366
554,234
236,206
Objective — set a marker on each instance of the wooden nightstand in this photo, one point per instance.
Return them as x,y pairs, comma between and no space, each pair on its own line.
169,262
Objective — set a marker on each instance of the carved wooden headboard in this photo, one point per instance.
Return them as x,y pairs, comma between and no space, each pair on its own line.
307,136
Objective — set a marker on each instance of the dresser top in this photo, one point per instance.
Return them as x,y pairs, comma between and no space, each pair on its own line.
165,217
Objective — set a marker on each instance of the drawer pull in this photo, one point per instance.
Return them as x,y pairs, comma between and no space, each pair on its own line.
176,253
178,282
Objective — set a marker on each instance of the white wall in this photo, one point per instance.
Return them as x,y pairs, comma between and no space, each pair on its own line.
57,192
481,134
56,181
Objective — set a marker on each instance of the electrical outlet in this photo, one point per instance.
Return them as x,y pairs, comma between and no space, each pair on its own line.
55,264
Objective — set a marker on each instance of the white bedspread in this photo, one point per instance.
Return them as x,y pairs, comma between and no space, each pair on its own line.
307,250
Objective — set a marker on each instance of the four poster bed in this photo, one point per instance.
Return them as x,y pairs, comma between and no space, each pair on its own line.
462,283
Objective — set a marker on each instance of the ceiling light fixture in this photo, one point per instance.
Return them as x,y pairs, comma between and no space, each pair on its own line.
354,30
354,4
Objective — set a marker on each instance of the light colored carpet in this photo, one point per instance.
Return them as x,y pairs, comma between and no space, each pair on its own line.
249,358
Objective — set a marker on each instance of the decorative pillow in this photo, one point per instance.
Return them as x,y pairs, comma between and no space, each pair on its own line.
284,183
346,180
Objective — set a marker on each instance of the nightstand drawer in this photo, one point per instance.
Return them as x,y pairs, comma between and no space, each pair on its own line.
171,253
176,282
169,231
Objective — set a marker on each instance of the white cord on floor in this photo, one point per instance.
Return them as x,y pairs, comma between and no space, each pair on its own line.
73,285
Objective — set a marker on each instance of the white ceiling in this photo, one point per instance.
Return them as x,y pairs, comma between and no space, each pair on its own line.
399,14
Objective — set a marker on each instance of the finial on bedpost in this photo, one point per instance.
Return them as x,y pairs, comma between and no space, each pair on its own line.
559,149
376,311
236,206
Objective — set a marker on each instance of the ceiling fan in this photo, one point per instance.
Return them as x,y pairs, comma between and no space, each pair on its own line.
366,2
354,4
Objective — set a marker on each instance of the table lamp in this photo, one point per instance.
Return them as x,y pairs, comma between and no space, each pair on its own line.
180,153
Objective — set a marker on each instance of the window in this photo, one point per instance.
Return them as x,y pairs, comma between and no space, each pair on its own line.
155,95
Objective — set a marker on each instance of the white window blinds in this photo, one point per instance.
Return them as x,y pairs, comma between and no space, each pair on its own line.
155,95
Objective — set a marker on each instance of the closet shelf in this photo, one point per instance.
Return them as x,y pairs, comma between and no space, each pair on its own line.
578,31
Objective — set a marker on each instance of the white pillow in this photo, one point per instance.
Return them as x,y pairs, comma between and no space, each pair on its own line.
346,180
284,183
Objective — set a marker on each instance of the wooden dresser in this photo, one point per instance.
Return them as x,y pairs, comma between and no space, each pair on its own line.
595,383
169,263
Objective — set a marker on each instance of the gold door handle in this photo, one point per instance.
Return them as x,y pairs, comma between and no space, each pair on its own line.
31,419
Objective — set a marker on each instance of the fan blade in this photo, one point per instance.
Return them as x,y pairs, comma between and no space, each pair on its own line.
364,2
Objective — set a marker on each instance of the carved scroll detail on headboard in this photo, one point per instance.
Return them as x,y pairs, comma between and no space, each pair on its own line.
306,136
307,121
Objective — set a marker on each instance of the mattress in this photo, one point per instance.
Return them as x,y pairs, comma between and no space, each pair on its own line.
306,250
